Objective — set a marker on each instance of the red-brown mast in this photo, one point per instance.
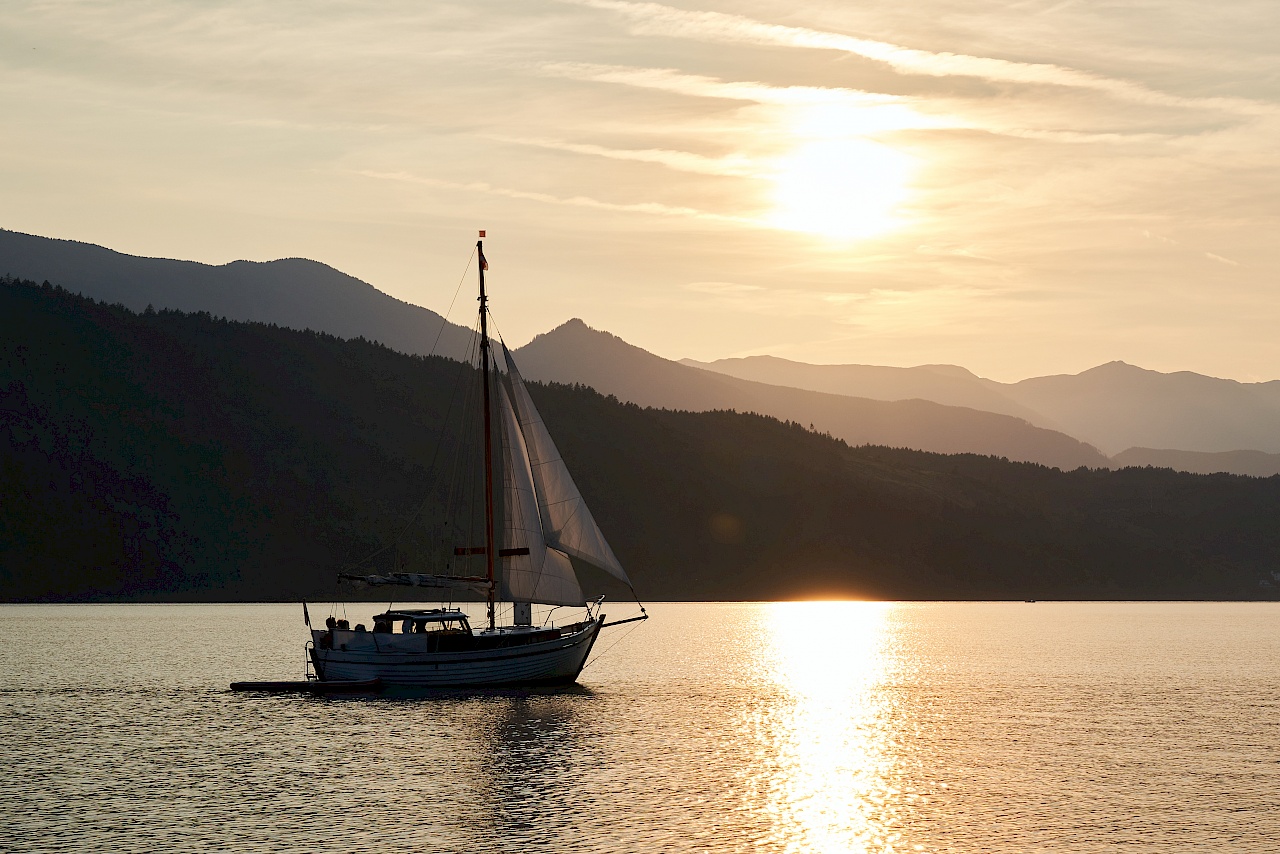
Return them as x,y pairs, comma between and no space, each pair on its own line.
490,549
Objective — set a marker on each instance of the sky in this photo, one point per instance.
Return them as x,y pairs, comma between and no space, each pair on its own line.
1021,188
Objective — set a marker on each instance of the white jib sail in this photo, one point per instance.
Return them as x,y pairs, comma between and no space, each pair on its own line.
544,575
567,524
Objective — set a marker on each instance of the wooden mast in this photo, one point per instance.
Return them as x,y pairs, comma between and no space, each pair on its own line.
490,549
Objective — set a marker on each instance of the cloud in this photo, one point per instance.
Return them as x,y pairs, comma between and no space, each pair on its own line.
653,208
842,111
882,308
1150,235
673,80
964,253
733,165
657,19
724,288
868,112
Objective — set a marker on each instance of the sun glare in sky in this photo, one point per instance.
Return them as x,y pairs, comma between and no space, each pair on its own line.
840,188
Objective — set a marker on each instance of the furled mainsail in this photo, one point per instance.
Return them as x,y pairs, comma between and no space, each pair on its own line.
543,575
567,524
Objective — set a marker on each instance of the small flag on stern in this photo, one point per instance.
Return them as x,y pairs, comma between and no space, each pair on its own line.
482,232
305,616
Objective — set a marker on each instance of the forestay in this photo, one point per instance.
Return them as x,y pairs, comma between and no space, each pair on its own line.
567,524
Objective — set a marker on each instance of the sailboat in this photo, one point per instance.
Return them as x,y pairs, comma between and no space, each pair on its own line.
534,521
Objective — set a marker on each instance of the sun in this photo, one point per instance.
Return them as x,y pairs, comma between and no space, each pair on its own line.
840,188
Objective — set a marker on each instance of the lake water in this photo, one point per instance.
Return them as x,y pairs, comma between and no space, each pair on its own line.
775,727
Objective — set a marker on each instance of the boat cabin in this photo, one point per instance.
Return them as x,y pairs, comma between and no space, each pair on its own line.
420,621
415,631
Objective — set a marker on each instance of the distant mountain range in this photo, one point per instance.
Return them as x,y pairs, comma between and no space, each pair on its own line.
1119,408
947,384
1255,463
575,353
1059,421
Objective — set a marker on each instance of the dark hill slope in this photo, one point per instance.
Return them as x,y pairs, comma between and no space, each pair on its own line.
291,292
576,353
173,456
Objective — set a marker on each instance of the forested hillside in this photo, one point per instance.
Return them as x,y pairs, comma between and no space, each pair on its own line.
178,456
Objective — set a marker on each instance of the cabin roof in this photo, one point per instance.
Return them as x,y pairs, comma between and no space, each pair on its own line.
432,615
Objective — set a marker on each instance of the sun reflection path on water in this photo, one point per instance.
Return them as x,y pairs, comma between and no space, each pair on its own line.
830,744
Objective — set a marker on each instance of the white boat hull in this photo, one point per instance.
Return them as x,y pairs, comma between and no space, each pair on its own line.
389,657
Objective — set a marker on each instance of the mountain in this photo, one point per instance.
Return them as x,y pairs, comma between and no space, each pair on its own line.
201,459
1112,406
575,353
946,384
1118,406
1254,463
292,292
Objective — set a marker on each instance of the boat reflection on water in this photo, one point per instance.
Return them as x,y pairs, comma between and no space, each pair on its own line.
831,746
536,749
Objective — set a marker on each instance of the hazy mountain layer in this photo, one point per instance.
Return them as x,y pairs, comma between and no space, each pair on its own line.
172,456
1113,406
947,384
575,353
1254,463
292,292
1120,406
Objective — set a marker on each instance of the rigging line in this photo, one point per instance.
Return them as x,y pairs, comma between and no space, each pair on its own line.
462,452
436,453
431,469
444,321
449,310
494,321
605,651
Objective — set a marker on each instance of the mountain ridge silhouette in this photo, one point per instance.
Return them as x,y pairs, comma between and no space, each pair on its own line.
576,353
